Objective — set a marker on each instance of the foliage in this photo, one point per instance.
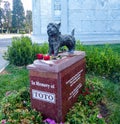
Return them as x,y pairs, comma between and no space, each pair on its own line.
88,109
15,21
91,94
115,48
80,46
102,61
115,114
18,16
28,21
80,114
111,93
85,111
20,53
112,100
23,52
105,63
7,16
15,108
1,17
44,48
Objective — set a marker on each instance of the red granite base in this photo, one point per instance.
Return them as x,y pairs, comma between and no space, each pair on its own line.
54,93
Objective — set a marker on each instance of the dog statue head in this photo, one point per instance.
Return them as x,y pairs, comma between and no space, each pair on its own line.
53,29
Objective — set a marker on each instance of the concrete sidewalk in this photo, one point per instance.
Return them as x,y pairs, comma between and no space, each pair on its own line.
3,62
9,36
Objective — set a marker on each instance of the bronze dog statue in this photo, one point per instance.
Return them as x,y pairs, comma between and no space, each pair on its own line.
57,40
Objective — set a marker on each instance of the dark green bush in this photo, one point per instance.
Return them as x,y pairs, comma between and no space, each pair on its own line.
102,60
23,52
20,52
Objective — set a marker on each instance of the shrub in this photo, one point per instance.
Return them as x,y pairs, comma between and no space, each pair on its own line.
43,48
20,52
102,60
23,52
15,108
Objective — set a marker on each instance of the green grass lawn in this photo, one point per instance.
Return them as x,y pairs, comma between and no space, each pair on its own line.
15,78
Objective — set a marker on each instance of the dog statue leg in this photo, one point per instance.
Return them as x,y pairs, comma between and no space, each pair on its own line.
51,50
56,49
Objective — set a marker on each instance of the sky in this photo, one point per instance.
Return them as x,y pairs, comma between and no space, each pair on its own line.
26,3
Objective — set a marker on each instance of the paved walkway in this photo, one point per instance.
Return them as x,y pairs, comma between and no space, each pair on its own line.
9,36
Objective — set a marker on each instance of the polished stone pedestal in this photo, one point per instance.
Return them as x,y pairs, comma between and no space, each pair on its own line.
56,84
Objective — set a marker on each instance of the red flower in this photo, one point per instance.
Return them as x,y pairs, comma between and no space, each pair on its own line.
39,56
90,103
86,89
84,94
46,57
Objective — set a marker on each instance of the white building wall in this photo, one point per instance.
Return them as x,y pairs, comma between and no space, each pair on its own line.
41,16
93,20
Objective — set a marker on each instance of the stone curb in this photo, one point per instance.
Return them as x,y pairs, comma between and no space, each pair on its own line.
3,63
4,66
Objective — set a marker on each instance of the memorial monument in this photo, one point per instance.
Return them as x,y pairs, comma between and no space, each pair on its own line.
55,84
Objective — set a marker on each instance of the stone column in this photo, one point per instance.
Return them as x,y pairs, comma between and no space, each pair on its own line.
41,16
64,16
36,17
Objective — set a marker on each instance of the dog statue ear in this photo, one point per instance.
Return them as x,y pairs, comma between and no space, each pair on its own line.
59,24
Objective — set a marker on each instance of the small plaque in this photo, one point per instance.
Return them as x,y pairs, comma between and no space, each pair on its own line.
43,96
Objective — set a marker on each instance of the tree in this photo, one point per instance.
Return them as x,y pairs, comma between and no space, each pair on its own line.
7,15
28,21
1,17
1,20
18,16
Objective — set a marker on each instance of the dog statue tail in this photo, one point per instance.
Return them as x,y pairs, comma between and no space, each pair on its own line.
73,38
73,32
